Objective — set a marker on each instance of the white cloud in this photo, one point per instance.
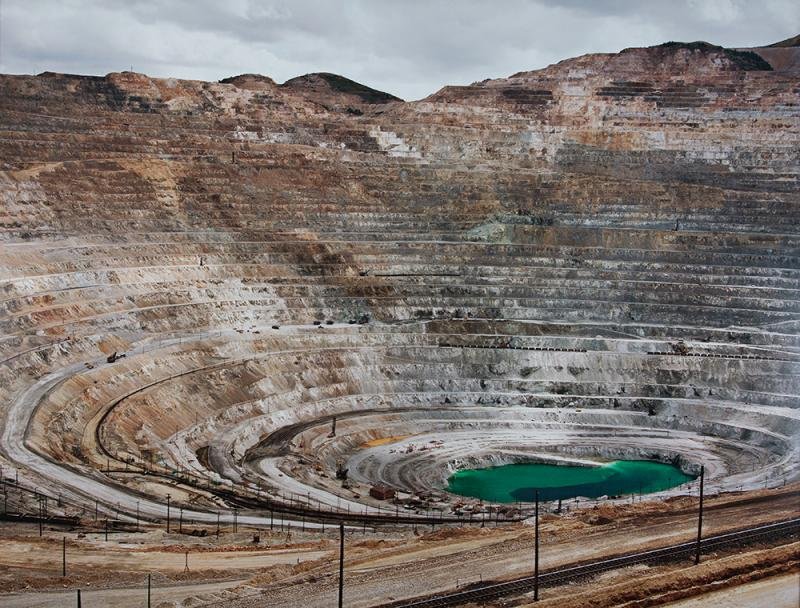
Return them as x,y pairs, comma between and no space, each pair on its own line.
720,11
409,47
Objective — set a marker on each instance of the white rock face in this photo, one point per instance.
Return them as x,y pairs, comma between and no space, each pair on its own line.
395,146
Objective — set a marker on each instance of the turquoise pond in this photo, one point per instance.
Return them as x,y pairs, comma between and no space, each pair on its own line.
518,482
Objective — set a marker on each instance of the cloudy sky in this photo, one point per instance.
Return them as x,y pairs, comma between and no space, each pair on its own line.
407,47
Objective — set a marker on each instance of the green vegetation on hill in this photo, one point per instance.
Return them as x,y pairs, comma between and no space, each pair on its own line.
744,60
347,86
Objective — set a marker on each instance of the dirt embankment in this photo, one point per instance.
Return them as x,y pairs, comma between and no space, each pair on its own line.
388,566
659,586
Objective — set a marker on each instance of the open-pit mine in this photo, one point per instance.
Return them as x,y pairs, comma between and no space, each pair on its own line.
235,315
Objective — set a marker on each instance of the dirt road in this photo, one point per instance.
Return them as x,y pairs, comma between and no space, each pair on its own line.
134,597
378,568
777,592
21,554
428,568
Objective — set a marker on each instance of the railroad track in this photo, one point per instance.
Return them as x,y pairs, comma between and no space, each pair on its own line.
560,576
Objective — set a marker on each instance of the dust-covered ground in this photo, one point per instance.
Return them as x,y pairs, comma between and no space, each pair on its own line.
300,569
668,585
781,591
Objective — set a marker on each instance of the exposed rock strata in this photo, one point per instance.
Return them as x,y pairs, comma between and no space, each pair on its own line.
600,258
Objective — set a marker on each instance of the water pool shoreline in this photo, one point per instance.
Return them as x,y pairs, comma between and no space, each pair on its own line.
519,482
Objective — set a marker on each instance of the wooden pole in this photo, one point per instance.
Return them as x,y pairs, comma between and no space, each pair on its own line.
536,550
700,517
148,591
79,598
341,564
64,556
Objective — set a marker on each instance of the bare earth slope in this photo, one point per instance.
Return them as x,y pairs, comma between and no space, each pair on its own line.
600,259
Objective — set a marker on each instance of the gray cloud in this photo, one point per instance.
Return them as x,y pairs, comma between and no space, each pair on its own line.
407,47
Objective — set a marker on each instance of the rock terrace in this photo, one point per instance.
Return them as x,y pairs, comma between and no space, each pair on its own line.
600,259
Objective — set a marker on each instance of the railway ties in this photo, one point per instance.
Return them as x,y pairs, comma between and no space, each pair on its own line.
583,571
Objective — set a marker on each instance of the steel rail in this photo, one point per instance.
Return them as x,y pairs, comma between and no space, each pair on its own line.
571,573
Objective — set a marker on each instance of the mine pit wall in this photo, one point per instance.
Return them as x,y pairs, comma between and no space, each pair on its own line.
488,383
614,234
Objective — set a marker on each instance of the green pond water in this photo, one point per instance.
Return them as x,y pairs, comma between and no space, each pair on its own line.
518,482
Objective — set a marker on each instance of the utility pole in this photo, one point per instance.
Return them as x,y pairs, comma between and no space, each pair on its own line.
341,564
148,591
536,549
64,556
79,598
168,497
700,518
